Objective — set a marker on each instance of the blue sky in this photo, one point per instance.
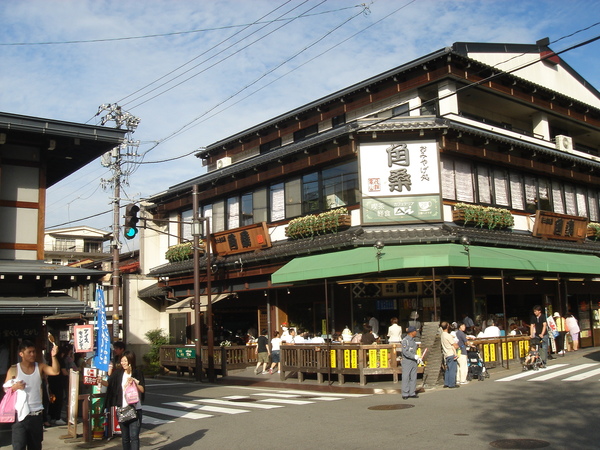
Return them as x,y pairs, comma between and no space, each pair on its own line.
238,74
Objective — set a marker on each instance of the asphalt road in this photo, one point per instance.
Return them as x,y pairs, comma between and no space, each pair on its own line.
556,407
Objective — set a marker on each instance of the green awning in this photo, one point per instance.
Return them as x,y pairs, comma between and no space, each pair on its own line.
361,261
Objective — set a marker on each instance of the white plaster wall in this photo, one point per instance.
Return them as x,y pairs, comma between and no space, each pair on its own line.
551,76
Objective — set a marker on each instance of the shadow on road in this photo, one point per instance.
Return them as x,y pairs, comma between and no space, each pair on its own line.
189,441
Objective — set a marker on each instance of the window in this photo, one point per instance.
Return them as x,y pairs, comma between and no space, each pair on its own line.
233,213
401,110
185,227
260,205
268,146
306,132
557,198
65,245
247,213
92,247
336,121
293,198
501,187
340,185
218,217
484,184
310,193
277,201
516,191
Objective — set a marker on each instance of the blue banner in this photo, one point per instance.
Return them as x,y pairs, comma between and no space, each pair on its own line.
102,357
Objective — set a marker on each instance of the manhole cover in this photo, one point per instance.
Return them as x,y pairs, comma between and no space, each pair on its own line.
390,407
242,399
519,443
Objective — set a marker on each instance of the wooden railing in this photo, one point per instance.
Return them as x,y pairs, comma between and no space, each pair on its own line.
225,358
341,360
502,350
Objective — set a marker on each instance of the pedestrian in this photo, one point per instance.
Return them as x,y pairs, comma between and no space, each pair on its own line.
28,430
469,324
56,385
572,326
118,350
262,353
394,331
374,324
117,383
368,337
4,362
275,352
410,361
449,347
462,360
539,328
491,330
413,322
561,328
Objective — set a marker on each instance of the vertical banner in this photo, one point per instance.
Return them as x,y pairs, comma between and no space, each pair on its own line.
103,354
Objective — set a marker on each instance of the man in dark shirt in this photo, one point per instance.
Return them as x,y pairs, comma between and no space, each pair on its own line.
368,337
262,352
539,328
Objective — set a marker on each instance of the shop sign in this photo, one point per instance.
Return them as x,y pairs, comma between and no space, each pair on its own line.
90,376
241,240
83,338
549,225
185,353
400,182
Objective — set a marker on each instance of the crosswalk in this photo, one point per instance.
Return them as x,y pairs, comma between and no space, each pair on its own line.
558,371
203,408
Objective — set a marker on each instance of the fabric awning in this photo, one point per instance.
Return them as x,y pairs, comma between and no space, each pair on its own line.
184,305
43,306
362,260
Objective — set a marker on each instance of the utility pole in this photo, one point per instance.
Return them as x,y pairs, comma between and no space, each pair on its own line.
120,168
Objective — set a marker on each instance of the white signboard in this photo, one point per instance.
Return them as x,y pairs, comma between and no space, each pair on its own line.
400,182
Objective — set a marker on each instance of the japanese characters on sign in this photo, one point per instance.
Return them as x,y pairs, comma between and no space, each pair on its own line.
549,225
90,376
400,182
102,357
83,338
240,240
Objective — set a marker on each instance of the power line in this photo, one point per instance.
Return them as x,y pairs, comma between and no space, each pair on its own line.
173,33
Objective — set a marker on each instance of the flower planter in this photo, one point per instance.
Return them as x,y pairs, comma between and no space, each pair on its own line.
593,231
482,216
314,225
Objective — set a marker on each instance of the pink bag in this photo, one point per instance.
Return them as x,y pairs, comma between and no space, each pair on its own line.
7,406
131,394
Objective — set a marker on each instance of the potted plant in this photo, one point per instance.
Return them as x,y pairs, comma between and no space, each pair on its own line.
593,230
482,216
326,222
179,252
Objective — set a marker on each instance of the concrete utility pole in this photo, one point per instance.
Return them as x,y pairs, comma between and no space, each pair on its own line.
119,160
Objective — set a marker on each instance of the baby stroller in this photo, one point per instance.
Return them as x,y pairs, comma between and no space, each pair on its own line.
476,366
533,361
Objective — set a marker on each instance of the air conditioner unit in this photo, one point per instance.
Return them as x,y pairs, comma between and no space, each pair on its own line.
223,162
564,143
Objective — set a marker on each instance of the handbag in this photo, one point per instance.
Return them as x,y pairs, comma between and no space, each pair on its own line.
131,394
7,406
126,414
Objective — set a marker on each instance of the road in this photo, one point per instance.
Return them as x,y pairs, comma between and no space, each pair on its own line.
557,405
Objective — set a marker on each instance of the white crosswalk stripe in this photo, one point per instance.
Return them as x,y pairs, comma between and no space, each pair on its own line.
237,404
552,372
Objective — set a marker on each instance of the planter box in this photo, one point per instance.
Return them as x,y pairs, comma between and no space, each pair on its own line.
344,221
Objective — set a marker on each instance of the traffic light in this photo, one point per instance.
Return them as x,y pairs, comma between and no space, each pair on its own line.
131,220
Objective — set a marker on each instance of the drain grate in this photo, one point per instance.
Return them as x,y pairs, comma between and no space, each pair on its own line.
247,399
391,407
519,443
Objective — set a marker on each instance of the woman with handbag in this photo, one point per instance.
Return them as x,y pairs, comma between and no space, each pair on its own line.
126,388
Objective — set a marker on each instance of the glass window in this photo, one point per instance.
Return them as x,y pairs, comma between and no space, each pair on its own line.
401,110
464,181
570,203
310,193
581,201
448,179
516,191
484,184
207,212
260,205
185,227
336,121
277,200
557,198
544,195
293,198
268,146
218,217
530,194
247,213
593,202
233,213
501,187
340,185
306,132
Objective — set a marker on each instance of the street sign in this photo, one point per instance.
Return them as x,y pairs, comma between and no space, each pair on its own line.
185,353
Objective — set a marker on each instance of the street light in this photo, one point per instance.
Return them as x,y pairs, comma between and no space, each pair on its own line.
378,246
466,242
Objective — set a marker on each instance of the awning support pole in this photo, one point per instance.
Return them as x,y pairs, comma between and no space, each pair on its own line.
504,312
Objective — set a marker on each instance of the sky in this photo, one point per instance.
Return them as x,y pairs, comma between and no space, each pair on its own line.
196,72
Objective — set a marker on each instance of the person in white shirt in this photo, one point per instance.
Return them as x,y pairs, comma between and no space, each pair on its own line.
491,330
374,323
394,331
275,352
